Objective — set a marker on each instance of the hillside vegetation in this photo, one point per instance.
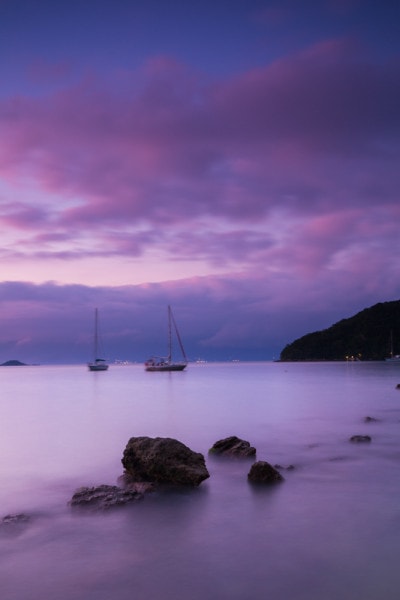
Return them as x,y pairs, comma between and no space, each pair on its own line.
369,335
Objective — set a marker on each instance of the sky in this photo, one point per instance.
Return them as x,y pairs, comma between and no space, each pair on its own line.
235,160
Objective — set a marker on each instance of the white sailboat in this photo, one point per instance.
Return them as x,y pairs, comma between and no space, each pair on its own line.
98,364
166,363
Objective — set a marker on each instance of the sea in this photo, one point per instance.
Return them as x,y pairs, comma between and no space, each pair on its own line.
329,531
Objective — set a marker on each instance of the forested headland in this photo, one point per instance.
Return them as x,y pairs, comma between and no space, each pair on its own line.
372,334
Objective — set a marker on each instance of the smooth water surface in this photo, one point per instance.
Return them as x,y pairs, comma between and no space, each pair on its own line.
330,531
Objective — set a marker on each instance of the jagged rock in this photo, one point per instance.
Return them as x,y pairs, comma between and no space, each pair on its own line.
233,446
163,460
360,438
263,472
103,497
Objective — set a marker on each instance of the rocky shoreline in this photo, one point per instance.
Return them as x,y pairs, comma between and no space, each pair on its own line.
152,464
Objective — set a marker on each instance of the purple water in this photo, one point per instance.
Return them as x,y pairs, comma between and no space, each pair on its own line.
330,531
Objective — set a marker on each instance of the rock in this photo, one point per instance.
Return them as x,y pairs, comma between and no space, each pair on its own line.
143,487
282,468
13,519
370,420
14,524
398,386
103,497
163,460
263,472
360,438
233,446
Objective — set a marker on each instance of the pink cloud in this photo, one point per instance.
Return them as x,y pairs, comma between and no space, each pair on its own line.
21,216
168,128
152,159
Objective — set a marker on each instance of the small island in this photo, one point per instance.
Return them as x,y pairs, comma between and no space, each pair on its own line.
13,363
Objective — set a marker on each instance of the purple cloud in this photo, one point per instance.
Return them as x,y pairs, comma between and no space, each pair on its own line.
172,139
283,178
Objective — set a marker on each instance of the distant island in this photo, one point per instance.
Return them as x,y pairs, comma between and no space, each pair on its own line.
13,363
372,334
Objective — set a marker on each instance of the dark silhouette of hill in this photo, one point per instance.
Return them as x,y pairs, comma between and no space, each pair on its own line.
371,334
13,363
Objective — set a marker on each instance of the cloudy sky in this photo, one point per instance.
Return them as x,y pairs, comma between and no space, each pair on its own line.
238,160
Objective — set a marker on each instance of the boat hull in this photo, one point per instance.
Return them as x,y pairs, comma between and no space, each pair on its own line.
171,367
94,367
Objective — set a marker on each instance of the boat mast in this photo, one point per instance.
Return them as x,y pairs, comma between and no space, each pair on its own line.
171,319
95,333
169,334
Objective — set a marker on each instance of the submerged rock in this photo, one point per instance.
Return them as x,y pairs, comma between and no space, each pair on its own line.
14,524
263,472
163,460
282,468
360,438
370,420
13,519
233,446
103,497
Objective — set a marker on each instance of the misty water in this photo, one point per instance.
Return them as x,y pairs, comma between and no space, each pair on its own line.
331,530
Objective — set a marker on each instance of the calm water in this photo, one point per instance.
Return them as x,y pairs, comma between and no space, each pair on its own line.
330,531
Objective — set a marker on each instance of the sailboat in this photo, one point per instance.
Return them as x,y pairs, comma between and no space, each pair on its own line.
98,364
393,358
158,363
